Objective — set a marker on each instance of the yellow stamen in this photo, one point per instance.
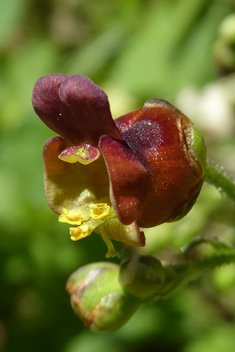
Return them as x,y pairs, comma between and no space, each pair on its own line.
90,217
77,233
99,211
72,217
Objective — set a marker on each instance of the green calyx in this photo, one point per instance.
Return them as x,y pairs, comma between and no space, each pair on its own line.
142,276
198,147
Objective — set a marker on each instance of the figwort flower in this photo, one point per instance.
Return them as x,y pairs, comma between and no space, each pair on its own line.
143,169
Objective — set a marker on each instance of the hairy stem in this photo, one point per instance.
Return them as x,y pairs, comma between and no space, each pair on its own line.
217,177
181,274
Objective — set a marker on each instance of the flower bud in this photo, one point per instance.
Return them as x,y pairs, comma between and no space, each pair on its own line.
98,298
142,276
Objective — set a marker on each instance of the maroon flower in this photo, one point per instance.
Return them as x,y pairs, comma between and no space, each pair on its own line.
143,169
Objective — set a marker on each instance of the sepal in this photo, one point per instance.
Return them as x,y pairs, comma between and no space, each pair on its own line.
142,276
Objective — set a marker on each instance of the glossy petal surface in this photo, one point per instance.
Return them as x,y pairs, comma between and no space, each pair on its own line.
71,185
129,180
155,136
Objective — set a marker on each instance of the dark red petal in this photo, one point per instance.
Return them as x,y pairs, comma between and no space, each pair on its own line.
74,107
129,180
155,135
89,106
48,106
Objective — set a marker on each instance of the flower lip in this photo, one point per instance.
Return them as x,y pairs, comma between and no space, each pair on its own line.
74,107
68,185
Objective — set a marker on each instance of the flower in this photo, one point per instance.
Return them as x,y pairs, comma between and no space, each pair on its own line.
141,170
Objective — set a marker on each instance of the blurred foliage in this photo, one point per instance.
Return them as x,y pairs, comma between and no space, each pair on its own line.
135,49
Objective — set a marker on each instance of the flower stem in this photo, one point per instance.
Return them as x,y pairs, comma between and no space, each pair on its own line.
216,176
181,274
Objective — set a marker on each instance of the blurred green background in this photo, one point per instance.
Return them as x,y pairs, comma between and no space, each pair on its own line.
135,50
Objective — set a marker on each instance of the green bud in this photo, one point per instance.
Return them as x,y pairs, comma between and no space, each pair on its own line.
142,276
98,298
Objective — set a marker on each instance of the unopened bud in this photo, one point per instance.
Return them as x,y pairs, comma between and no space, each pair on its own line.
98,298
142,276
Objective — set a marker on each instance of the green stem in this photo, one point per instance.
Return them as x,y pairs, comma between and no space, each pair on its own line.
181,274
216,176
